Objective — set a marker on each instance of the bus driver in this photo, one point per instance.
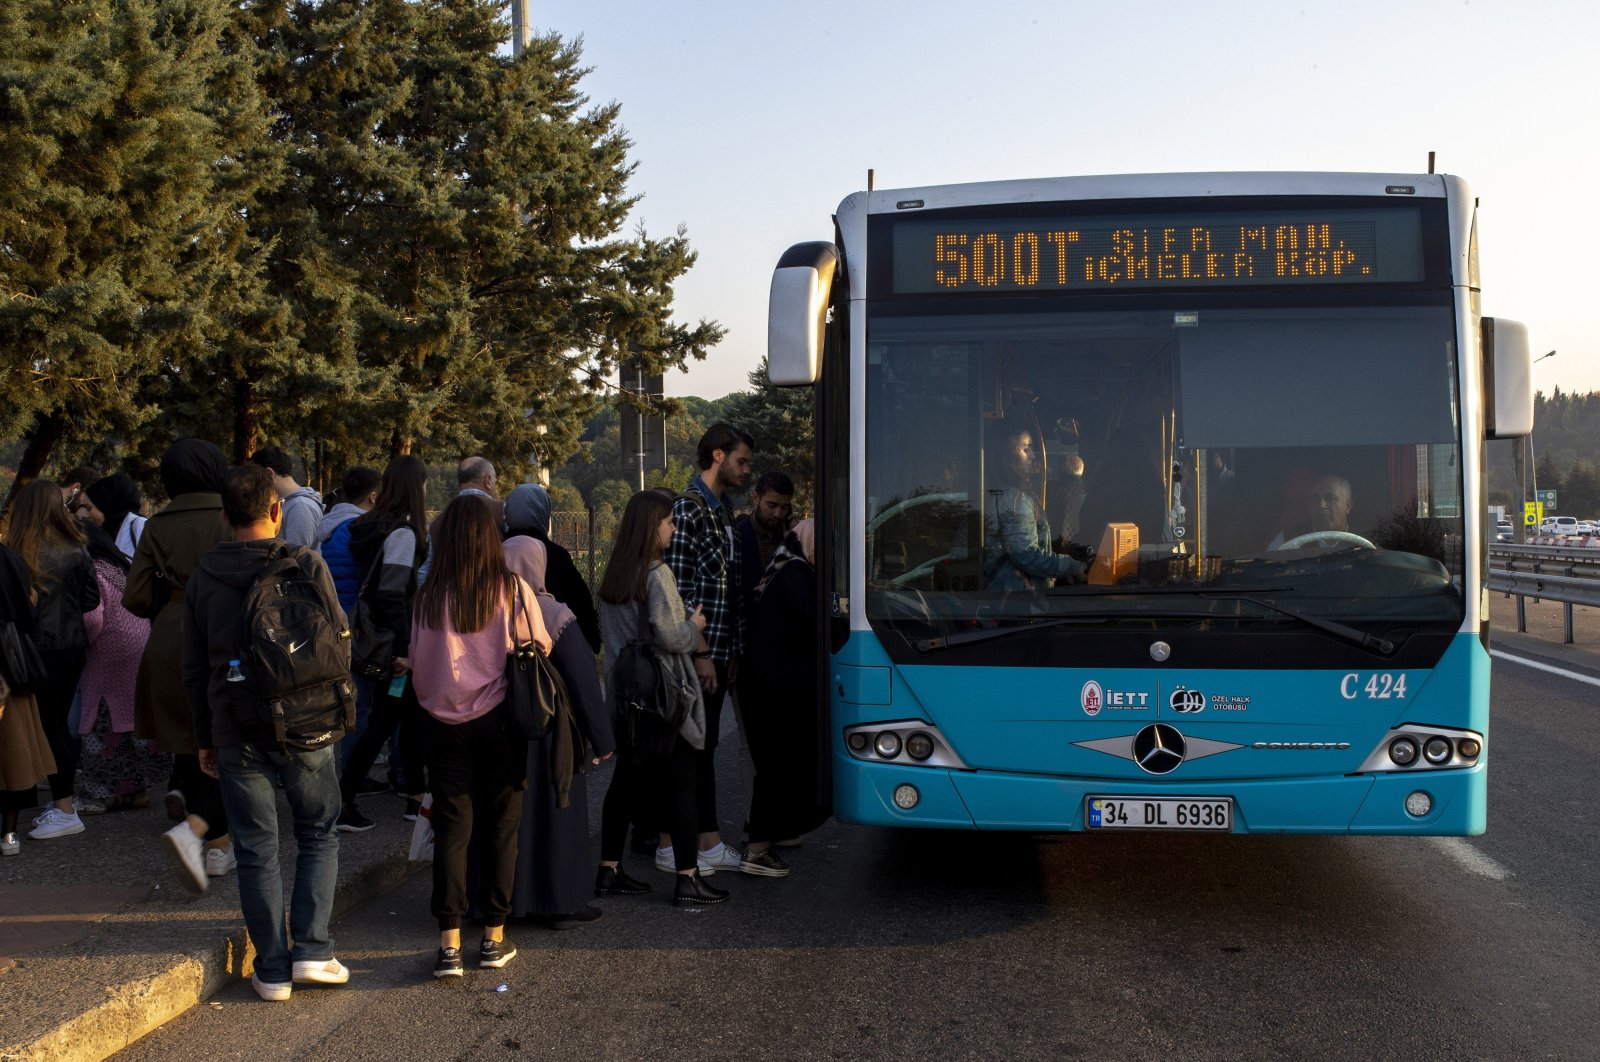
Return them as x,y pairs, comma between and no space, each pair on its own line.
1016,543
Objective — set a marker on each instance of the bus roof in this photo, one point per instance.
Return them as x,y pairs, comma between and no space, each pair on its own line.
1150,186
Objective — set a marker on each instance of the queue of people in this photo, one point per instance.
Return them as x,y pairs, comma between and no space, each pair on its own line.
134,669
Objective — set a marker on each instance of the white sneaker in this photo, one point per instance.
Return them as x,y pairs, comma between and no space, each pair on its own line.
271,991
722,857
56,823
331,972
10,845
219,861
185,849
667,864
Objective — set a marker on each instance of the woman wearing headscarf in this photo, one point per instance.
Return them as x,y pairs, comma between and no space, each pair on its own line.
115,768
778,688
527,512
25,758
113,503
553,882
170,549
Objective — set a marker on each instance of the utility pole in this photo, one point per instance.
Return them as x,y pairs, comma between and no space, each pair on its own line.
521,26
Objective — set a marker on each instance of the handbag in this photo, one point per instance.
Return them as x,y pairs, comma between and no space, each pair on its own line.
20,659
534,691
371,643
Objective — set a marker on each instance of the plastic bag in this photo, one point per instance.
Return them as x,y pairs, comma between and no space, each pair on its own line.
422,832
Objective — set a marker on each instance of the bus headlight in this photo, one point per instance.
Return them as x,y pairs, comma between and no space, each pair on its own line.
919,746
887,745
1403,751
1469,748
1418,804
906,797
1436,751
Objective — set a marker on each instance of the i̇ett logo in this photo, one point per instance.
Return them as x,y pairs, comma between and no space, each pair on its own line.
1092,698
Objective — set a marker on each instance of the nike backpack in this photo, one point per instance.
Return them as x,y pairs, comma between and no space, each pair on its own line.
296,655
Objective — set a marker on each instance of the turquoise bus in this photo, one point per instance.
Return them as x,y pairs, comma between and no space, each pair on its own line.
1154,502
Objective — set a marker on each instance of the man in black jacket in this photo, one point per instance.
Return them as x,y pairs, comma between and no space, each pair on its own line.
241,751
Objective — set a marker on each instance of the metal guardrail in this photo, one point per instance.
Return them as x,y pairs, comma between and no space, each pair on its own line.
1568,574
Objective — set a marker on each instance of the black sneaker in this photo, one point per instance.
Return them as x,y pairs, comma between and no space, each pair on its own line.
413,810
577,919
614,881
371,787
493,954
352,821
448,964
765,865
692,888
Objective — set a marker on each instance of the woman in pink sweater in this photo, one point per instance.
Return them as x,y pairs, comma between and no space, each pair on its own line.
116,769
461,632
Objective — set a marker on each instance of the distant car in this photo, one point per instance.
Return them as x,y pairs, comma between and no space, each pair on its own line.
1583,527
1559,525
1504,532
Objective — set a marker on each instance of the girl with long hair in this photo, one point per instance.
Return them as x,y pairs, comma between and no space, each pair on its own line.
51,544
388,543
639,601
1017,552
25,758
466,622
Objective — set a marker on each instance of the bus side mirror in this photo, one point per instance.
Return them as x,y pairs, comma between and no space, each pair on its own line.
1507,379
797,313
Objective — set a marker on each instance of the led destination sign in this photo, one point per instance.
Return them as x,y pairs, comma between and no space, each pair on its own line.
1320,247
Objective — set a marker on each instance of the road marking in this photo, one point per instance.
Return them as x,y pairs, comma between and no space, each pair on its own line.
1575,676
1469,857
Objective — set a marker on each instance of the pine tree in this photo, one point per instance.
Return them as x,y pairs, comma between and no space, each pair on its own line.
111,220
462,283
783,422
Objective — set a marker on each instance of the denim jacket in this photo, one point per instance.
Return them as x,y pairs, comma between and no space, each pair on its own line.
1016,545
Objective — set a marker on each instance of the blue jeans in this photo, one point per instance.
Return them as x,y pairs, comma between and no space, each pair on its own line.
249,776
363,709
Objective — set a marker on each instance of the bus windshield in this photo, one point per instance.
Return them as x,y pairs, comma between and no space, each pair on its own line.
1192,464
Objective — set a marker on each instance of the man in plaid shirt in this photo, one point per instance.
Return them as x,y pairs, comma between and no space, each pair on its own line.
704,558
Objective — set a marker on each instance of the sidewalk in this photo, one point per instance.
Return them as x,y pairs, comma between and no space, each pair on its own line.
99,944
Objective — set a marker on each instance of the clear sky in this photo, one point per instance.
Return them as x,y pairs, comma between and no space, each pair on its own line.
752,120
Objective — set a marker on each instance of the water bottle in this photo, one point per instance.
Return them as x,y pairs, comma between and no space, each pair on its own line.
235,672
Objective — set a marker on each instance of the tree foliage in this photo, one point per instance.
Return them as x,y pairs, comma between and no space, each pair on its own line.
355,227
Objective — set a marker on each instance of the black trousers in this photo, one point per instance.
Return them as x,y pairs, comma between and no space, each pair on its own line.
63,668
477,772
201,793
705,774
388,714
644,793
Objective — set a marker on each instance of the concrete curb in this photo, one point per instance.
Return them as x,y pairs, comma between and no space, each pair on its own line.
141,1005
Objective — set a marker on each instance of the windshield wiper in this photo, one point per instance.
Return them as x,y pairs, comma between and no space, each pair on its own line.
1333,627
950,641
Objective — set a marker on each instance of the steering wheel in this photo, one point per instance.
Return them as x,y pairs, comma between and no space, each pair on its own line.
1326,536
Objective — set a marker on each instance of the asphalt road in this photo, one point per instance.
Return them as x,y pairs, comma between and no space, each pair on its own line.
884,944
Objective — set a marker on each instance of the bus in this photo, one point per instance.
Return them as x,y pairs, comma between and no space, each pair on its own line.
1154,502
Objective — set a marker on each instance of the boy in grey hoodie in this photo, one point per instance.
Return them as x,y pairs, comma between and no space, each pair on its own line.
302,506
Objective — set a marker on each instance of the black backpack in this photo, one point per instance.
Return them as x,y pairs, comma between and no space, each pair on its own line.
647,720
296,654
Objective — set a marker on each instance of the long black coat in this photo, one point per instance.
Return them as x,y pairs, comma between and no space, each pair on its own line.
555,869
778,694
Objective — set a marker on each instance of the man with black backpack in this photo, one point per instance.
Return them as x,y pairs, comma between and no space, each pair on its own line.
266,664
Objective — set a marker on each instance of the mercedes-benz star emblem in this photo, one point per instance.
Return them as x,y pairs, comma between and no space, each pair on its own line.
1158,749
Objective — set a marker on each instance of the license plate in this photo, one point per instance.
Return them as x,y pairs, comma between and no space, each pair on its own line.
1160,813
